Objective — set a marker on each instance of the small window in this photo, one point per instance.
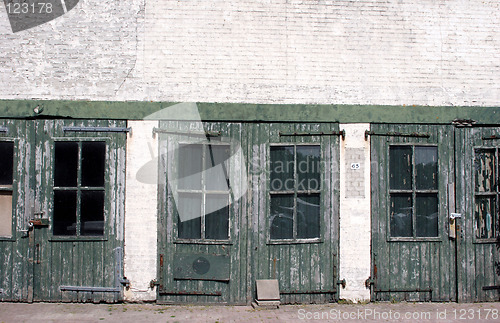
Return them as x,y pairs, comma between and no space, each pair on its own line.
79,188
295,192
203,192
413,191
6,179
485,193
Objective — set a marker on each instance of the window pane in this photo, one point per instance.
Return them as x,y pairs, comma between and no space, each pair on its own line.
485,219
216,176
282,168
281,216
64,213
308,216
426,210
6,214
308,168
189,220
93,161
400,167
190,167
6,162
66,164
401,215
426,168
484,165
217,216
92,213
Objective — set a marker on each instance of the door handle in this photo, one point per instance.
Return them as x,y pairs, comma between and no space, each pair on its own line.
452,233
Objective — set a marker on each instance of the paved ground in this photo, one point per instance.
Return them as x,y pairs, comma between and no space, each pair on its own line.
373,312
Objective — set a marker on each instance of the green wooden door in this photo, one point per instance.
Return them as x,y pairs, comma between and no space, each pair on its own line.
69,226
294,209
412,174
201,232
15,192
478,190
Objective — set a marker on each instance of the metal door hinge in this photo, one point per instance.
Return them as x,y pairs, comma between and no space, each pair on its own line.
342,283
153,283
369,282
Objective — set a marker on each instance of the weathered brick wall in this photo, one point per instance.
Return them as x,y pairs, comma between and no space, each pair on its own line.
353,52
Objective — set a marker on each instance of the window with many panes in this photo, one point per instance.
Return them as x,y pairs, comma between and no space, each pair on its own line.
79,188
6,181
294,192
203,191
413,191
486,192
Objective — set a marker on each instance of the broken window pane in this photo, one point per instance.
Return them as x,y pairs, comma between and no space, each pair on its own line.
308,215
64,213
217,216
5,214
282,216
485,217
484,165
190,166
93,162
282,168
6,162
189,215
400,167
401,215
426,168
216,176
92,213
66,164
426,210
308,168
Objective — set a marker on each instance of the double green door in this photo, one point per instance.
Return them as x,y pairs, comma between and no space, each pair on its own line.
61,203
434,213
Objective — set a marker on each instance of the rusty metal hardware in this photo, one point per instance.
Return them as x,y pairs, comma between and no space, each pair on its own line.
197,293
495,287
402,290
322,133
396,134
342,282
39,222
90,289
97,129
291,292
369,282
186,133
153,283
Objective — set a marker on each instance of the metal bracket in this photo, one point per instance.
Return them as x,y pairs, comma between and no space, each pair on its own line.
300,134
396,134
97,129
459,123
153,283
342,282
186,133
369,282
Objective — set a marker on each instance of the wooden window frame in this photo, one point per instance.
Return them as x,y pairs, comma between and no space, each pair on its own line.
79,188
203,191
413,193
13,188
269,192
495,193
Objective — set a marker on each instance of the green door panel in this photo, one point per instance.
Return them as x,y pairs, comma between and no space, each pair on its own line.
412,256
69,185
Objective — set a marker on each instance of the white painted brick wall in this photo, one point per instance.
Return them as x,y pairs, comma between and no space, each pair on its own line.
355,218
441,52
140,214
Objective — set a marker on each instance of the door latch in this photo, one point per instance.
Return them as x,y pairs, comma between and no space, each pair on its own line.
453,225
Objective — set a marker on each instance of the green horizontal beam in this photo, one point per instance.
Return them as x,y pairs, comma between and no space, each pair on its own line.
137,110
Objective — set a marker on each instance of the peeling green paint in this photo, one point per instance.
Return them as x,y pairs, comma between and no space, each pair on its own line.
137,110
